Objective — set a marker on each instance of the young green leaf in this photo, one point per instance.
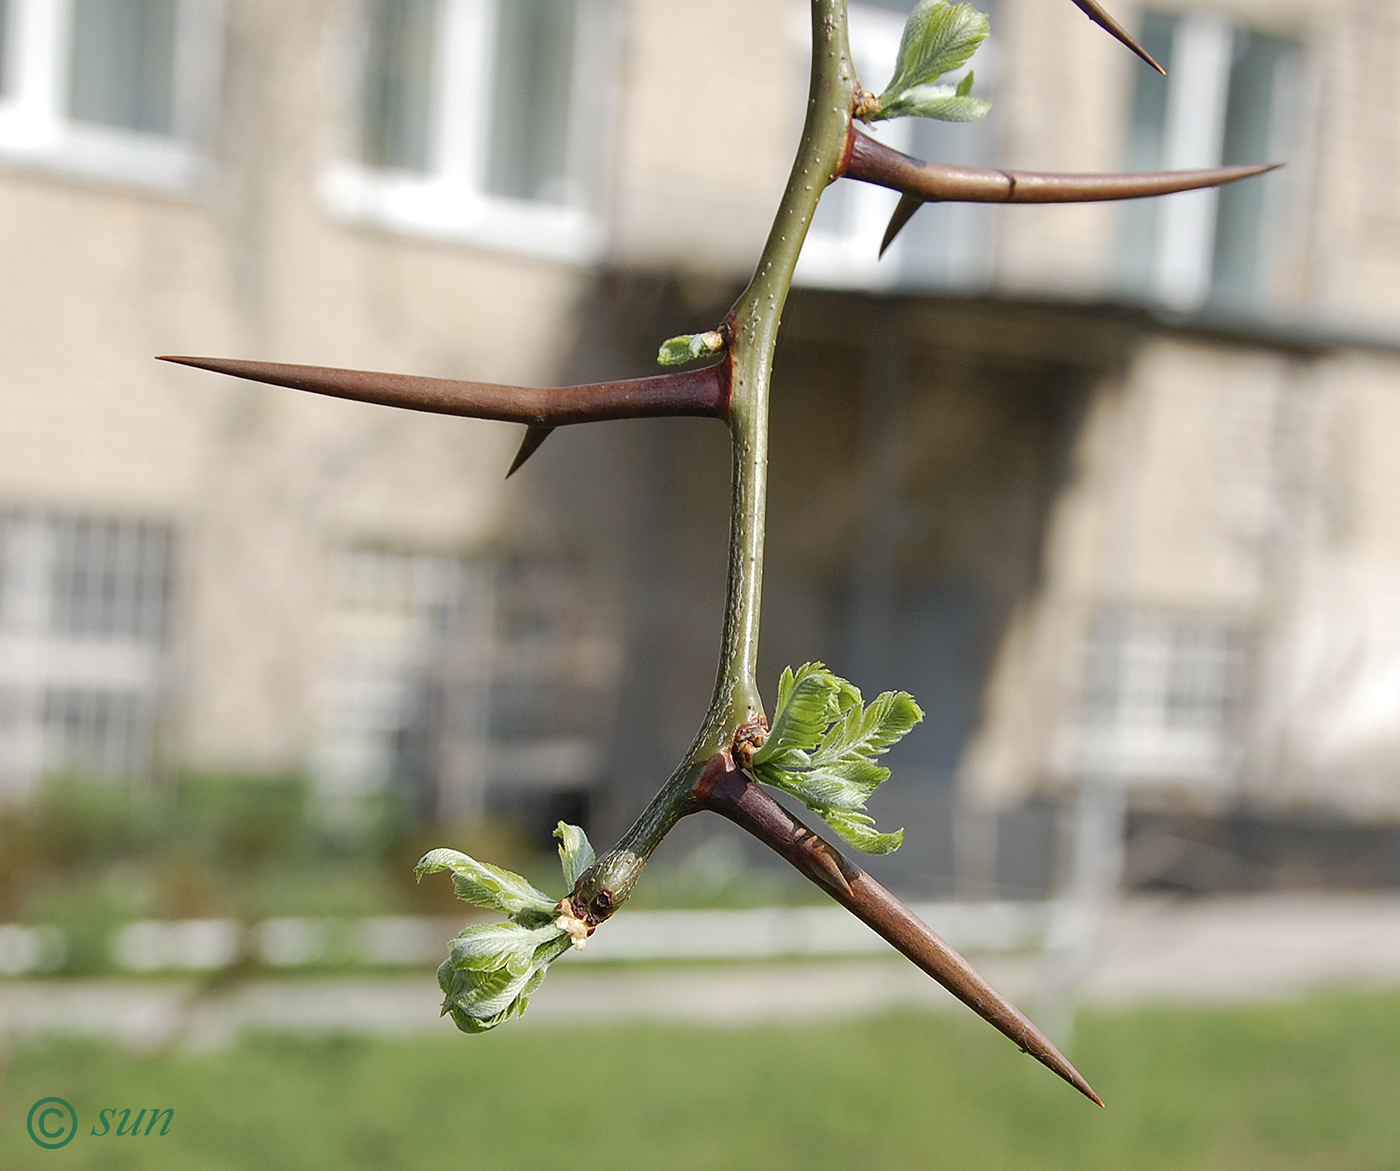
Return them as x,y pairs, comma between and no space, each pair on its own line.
575,852
491,887
859,830
935,101
938,38
822,749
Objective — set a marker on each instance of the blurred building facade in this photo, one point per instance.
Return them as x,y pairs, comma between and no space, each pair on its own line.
1110,489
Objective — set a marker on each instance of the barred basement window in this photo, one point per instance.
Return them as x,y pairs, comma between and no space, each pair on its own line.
399,702
83,617
1161,694
109,580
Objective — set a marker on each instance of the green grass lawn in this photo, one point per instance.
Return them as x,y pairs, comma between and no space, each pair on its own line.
1315,1085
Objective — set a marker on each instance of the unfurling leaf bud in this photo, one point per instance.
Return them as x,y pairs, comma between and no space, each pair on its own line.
492,969
677,351
575,852
939,38
822,749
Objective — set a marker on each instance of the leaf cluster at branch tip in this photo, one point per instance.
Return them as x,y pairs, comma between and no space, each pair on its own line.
823,745
492,969
939,38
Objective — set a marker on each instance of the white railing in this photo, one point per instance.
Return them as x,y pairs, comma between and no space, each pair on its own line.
204,945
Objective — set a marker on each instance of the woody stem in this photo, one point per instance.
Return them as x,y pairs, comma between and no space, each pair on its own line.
753,324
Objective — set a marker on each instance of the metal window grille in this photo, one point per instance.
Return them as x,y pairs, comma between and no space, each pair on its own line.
446,677
109,580
1161,694
83,614
399,626
99,732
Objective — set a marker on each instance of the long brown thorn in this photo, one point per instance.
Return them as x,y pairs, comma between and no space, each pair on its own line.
724,789
703,392
920,182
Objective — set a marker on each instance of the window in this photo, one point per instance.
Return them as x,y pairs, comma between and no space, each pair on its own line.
117,89
395,625
478,120
1160,697
945,245
448,681
83,616
550,687
1230,96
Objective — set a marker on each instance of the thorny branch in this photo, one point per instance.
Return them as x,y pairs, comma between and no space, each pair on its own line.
703,392
735,390
920,182
724,789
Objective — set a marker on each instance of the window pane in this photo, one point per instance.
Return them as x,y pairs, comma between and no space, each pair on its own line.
123,65
1249,121
948,245
4,30
398,83
1146,143
534,80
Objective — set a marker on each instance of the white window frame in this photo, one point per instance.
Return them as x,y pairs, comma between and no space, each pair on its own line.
450,201
37,132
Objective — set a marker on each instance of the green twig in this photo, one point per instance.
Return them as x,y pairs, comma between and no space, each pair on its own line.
752,326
